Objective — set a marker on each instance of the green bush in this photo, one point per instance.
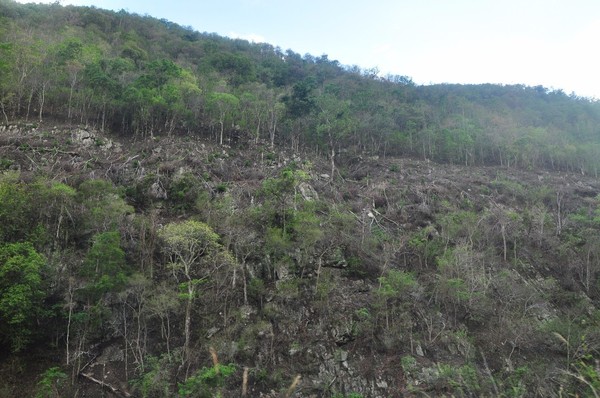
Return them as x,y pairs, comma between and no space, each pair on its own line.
21,294
48,386
183,192
221,187
15,208
355,268
154,382
105,266
206,382
5,163
409,363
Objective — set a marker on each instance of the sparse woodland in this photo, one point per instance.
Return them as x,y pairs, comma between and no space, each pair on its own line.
183,214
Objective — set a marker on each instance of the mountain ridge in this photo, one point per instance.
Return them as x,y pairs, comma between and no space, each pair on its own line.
140,75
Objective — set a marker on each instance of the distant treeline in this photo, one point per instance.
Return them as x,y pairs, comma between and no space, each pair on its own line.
140,75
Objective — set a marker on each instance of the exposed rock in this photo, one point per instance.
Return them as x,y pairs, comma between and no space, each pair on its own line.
211,332
83,137
111,353
156,191
87,139
419,351
308,192
246,311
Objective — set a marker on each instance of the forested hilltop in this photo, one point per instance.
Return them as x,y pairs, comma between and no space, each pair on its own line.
143,76
183,214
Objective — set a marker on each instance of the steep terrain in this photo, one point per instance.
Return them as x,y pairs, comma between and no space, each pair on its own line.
397,277
183,214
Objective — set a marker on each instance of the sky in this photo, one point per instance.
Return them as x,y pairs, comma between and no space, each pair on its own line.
553,43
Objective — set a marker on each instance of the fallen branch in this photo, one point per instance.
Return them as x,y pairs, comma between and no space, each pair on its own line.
88,363
55,150
293,386
130,159
114,390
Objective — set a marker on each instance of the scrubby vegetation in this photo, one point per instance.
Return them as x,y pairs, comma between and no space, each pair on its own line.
187,215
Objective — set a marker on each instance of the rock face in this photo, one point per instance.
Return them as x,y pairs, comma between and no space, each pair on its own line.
88,138
12,128
156,191
308,192
83,137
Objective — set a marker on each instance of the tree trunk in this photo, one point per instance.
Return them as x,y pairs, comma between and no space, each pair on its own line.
245,281
71,290
222,123
503,230
4,112
272,128
332,163
42,99
188,322
29,100
558,213
332,156
73,82
103,115
257,130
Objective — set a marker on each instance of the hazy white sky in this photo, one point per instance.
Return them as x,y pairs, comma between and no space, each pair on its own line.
549,42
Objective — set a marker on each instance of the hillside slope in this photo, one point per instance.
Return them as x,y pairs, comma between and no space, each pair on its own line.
399,276
187,215
142,76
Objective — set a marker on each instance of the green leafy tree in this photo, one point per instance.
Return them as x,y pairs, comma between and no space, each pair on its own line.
15,208
301,101
299,107
281,193
334,123
583,236
237,67
154,382
224,106
393,289
7,78
194,252
102,87
307,231
163,98
459,226
25,62
21,293
105,265
426,245
252,111
54,203
103,206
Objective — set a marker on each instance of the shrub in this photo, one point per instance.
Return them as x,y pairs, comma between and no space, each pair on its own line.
21,292
206,382
50,382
